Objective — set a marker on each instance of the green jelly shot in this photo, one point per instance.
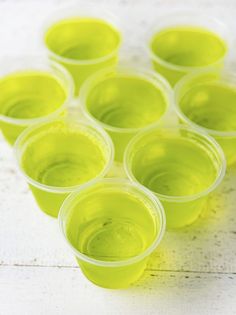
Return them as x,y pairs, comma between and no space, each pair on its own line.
207,100
59,156
183,44
124,101
181,166
112,227
82,43
32,90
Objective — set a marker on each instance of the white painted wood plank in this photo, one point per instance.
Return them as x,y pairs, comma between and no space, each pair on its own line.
62,291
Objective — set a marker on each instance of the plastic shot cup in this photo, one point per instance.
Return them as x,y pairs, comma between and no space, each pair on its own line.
124,101
59,156
33,90
112,227
207,100
83,41
184,42
181,166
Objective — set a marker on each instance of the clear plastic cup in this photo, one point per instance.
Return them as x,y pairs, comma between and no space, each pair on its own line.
124,101
206,100
112,227
183,42
33,89
59,156
181,166
83,40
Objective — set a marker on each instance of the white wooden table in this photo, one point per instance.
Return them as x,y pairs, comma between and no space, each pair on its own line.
193,271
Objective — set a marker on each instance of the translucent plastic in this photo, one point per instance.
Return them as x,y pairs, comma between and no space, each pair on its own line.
180,165
184,42
206,100
112,227
33,89
124,101
83,40
59,156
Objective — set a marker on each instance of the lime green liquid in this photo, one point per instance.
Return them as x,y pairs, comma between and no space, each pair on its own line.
211,105
111,221
82,38
117,231
111,239
62,158
188,46
126,102
174,167
31,94
86,45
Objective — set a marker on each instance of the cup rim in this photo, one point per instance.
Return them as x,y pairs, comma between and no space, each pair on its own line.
177,89
41,61
202,135
195,13
70,12
157,206
69,189
149,75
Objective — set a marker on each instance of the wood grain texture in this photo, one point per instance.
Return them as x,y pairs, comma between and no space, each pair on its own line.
194,269
65,291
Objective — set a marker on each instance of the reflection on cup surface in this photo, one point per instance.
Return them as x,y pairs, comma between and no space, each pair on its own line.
59,156
83,45
124,101
112,227
184,42
206,100
173,163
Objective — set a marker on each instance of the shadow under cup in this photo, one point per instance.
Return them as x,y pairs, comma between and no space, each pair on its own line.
32,90
112,227
83,44
124,101
180,166
59,156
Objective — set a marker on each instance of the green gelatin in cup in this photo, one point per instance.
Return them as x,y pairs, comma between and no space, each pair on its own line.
212,105
180,166
108,224
181,49
59,168
124,102
26,96
83,45
174,167
109,237
58,157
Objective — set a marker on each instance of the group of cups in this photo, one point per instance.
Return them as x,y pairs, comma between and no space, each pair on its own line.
113,224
